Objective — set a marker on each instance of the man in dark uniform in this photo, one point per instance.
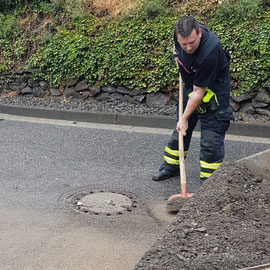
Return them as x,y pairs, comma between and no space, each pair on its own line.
204,67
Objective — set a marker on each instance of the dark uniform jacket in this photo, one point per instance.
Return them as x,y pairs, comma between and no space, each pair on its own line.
207,67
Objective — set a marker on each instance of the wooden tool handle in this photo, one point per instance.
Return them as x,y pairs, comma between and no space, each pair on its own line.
181,140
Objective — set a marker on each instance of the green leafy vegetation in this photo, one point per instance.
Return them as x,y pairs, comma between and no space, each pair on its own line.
15,5
134,52
243,28
100,42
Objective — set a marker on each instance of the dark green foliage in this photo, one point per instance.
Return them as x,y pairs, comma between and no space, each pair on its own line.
243,28
238,10
154,8
133,52
9,26
10,5
9,29
55,7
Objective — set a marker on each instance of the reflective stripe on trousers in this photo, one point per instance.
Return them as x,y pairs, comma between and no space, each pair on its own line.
211,145
172,156
207,169
171,152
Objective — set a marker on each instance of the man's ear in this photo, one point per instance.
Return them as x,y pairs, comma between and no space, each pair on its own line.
200,32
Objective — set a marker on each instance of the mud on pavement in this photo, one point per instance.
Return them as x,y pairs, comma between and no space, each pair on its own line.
226,225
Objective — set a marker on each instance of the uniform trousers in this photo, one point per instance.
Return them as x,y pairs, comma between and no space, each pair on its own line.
214,124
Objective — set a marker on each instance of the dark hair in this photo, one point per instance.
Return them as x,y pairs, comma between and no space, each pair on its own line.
186,25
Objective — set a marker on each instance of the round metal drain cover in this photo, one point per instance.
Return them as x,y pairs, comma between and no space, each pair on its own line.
99,201
106,203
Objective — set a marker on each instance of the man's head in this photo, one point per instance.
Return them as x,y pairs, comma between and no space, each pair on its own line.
188,34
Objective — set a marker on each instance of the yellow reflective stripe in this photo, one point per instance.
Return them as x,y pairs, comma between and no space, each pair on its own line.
206,163
205,175
208,95
172,152
171,160
200,109
212,166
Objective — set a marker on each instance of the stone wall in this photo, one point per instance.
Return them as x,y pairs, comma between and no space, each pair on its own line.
250,105
23,84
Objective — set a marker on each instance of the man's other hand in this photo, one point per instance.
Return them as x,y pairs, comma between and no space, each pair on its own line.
182,126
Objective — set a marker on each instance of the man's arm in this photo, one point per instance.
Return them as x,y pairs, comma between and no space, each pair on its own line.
193,102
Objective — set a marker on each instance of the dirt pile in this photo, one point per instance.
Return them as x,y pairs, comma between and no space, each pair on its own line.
226,225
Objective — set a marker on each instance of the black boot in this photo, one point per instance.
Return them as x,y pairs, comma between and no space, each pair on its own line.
164,174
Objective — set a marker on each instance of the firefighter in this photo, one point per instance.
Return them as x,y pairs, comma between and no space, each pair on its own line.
204,67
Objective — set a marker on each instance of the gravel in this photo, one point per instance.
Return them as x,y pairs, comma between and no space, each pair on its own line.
225,225
90,105
116,107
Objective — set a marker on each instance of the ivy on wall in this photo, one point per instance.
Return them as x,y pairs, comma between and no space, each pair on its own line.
135,50
243,28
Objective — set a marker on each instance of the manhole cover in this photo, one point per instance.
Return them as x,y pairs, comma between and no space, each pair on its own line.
106,203
98,201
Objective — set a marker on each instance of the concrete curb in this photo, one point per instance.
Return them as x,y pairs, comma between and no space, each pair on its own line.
166,122
258,267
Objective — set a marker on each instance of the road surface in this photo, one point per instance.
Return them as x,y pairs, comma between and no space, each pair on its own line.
43,161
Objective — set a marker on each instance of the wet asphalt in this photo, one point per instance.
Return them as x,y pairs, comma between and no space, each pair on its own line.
41,162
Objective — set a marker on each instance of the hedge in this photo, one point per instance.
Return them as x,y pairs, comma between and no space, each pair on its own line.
136,50
131,51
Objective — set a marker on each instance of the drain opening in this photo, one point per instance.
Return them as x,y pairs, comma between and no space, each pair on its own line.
99,202
104,202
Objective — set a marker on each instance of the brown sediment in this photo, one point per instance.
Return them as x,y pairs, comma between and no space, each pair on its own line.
226,225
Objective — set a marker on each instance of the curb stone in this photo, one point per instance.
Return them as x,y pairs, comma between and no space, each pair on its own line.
166,122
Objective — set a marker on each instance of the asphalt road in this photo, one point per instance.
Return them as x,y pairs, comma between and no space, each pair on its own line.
42,160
